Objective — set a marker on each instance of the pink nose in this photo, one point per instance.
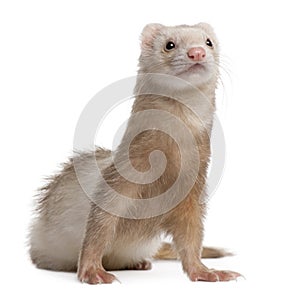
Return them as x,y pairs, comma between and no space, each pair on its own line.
197,54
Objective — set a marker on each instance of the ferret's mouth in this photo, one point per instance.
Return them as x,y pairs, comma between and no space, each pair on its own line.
194,68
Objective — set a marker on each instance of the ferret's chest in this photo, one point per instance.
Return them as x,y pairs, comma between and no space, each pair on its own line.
198,114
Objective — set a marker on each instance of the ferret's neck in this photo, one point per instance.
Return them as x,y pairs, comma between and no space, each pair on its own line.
151,88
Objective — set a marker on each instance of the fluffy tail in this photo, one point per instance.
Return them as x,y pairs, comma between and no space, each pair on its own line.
168,252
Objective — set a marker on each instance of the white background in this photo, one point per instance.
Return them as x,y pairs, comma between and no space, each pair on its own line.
55,55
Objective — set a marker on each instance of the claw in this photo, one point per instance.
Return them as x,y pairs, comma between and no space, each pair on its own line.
96,276
214,275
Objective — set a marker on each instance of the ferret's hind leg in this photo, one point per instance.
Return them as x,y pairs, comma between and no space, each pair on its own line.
142,265
131,255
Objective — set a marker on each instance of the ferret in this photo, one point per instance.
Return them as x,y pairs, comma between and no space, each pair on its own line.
74,232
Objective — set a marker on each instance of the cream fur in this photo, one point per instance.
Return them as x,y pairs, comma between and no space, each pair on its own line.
71,232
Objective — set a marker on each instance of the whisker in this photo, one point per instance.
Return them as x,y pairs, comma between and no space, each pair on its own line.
225,72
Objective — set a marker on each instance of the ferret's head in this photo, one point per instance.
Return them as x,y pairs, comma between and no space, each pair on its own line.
188,52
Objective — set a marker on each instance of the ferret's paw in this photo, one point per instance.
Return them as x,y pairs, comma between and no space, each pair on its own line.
142,265
213,275
96,276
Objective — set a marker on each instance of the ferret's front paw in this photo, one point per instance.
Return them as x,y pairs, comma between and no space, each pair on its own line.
95,276
213,275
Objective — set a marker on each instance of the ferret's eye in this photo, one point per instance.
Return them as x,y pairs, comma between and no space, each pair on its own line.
209,43
169,46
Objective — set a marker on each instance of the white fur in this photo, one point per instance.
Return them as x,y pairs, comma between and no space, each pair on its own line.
123,255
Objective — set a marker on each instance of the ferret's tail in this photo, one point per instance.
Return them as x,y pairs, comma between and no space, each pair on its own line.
168,252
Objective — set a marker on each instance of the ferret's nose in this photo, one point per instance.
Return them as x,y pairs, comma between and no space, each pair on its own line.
197,54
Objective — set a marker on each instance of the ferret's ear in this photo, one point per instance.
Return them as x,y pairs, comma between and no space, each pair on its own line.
207,27
148,35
